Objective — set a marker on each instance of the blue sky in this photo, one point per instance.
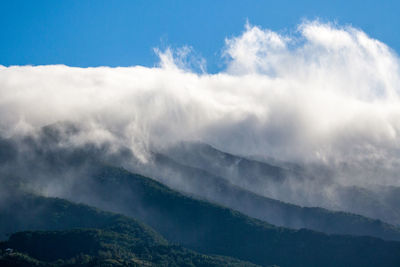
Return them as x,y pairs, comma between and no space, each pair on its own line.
124,33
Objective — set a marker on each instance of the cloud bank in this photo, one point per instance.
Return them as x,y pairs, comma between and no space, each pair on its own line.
326,94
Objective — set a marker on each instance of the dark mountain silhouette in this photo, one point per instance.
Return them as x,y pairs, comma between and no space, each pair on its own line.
87,236
202,226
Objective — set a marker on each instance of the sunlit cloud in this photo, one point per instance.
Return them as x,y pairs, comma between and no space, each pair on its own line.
327,94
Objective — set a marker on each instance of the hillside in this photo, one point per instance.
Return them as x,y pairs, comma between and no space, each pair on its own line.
97,247
204,185
210,228
87,236
311,186
205,227
199,225
61,168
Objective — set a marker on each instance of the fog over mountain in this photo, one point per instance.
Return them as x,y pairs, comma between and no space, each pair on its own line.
324,98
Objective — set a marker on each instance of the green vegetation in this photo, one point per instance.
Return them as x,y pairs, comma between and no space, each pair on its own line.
30,212
107,239
98,247
198,225
210,228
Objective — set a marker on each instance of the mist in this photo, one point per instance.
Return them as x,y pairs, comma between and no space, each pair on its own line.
324,96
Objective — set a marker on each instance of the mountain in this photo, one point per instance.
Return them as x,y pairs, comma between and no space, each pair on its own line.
213,229
204,185
376,202
97,247
82,235
240,171
311,186
199,225
78,175
21,211
290,183
70,163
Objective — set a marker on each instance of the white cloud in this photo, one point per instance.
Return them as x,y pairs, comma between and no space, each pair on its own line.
330,94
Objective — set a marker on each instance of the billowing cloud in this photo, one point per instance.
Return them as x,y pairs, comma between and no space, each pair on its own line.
326,94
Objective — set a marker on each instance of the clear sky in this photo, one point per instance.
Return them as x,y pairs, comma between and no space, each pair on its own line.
124,32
